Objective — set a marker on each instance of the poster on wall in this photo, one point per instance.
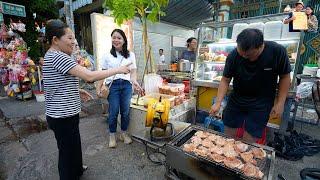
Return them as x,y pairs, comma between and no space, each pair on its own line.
102,27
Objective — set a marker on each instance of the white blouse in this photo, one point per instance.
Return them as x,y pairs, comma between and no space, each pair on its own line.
109,61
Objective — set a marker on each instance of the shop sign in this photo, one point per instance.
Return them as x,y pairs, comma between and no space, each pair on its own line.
241,7
314,44
13,9
245,7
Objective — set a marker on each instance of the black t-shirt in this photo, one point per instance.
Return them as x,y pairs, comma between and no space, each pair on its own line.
255,83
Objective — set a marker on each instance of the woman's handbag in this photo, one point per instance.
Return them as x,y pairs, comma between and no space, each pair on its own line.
105,90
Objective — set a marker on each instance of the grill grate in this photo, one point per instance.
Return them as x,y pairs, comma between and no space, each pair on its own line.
263,165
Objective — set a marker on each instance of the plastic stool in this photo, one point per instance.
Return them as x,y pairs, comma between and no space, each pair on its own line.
216,123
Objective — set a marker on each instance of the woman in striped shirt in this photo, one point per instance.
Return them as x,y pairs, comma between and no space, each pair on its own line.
62,100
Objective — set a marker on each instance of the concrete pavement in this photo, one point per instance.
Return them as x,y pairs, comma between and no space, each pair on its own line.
29,151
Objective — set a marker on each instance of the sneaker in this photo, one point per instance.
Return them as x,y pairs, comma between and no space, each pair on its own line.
84,168
112,140
125,138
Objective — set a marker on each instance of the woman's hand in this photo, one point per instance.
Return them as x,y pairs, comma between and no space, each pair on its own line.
124,69
138,88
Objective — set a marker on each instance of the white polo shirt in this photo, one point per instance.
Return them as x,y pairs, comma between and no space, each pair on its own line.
108,61
162,59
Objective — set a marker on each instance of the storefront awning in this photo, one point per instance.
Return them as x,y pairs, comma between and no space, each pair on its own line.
188,13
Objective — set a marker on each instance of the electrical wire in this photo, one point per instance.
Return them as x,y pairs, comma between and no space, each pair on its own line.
157,162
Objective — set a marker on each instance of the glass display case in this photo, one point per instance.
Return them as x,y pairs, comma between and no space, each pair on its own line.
212,57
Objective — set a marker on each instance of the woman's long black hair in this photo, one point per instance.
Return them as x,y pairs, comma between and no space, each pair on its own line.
311,9
125,53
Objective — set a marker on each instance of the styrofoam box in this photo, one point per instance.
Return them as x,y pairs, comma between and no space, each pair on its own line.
288,35
272,30
237,29
147,98
258,25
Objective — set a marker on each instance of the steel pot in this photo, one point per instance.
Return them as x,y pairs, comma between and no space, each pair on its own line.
184,65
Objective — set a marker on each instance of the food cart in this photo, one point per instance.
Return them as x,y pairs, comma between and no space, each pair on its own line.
218,39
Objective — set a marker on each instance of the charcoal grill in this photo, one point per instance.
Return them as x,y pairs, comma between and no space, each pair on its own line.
181,164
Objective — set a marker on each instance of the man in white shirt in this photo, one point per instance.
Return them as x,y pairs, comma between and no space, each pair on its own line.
161,59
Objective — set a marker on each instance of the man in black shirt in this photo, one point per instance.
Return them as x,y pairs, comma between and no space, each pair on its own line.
254,66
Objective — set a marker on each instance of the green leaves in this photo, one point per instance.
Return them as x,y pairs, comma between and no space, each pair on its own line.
123,10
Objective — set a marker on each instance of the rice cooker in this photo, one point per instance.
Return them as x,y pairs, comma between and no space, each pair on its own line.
184,65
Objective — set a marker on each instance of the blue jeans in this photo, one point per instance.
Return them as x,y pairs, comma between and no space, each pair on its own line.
119,99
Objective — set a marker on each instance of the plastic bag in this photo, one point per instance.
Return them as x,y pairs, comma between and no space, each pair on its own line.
304,90
151,83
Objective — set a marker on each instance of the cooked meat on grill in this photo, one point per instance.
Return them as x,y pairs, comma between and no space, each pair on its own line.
202,134
202,151
207,143
189,147
259,153
216,157
229,151
251,170
220,141
240,147
248,157
212,137
216,150
196,140
230,141
233,163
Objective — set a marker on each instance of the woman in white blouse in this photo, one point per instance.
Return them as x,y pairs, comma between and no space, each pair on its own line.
121,88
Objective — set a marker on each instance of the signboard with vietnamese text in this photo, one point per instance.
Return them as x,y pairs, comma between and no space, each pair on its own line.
13,9
301,21
261,6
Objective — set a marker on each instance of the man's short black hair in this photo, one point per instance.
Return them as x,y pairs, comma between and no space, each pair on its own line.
161,50
250,39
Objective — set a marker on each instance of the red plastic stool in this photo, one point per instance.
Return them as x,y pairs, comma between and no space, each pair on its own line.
262,140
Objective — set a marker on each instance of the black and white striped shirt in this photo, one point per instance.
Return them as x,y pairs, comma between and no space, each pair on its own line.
61,89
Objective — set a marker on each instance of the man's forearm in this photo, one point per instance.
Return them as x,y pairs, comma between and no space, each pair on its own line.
223,89
284,85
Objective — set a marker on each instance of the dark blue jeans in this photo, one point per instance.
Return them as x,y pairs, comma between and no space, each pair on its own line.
119,99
